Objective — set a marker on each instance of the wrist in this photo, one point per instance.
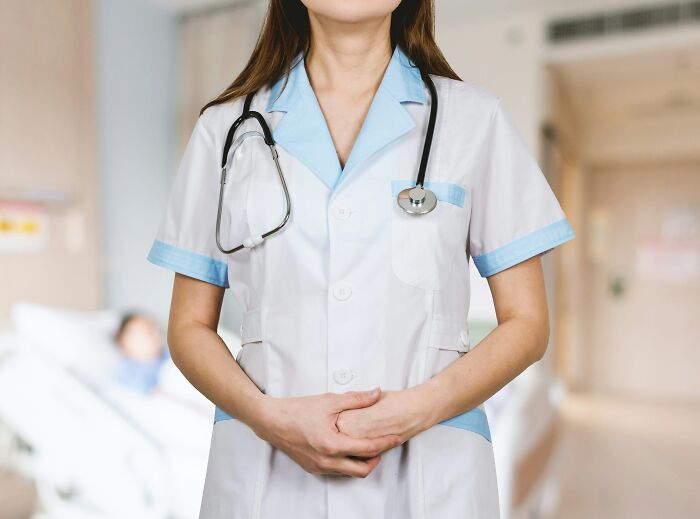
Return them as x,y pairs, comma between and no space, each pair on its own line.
264,415
431,402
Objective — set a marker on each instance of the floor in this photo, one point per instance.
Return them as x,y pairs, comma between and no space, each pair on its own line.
621,459
16,496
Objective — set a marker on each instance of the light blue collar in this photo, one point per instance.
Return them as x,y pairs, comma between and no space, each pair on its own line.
303,131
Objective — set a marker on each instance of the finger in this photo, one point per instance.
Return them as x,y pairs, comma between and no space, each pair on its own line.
366,447
356,399
353,467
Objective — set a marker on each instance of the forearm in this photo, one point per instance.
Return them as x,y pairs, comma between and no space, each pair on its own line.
206,362
304,427
506,352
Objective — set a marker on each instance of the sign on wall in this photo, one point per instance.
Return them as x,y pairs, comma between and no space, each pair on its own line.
24,226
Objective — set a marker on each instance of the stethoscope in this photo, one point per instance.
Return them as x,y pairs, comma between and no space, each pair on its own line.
414,200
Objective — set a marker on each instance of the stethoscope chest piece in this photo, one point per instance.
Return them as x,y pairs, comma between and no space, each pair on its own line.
417,200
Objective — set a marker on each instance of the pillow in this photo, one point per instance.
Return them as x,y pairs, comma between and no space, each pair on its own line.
80,341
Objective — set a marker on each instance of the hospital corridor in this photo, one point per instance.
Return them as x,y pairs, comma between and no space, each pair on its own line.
98,101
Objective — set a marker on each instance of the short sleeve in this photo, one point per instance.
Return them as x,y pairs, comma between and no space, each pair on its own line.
185,241
515,214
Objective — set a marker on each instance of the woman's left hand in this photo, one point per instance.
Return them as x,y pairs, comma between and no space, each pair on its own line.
404,413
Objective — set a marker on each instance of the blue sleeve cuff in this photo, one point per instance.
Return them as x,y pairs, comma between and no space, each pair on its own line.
525,247
220,414
189,263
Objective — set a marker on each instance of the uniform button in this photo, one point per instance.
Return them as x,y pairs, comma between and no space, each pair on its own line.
342,291
341,212
342,375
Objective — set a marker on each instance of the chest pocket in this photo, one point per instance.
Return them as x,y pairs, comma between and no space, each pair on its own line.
424,246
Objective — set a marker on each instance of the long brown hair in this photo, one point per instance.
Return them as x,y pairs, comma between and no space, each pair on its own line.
285,33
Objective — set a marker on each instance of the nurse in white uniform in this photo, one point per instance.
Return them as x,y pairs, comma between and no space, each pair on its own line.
353,293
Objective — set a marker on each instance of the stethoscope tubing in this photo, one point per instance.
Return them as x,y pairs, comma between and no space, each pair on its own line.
416,200
428,142
224,177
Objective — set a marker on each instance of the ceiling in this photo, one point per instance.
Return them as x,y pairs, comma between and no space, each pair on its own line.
636,103
636,86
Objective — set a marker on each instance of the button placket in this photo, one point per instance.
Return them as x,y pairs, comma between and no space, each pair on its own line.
340,359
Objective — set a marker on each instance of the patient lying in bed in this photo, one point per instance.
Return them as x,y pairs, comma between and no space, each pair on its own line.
127,430
142,352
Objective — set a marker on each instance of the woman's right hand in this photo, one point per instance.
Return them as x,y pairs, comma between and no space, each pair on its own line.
305,429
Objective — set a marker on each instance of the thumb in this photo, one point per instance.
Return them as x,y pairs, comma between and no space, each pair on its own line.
357,399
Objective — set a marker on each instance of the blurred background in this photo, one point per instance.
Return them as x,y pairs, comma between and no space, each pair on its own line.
97,99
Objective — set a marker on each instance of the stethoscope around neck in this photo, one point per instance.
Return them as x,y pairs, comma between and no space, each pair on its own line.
414,200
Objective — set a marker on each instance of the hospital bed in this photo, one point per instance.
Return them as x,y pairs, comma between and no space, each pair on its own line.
96,449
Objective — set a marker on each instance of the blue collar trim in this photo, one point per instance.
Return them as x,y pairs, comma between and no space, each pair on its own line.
402,78
303,132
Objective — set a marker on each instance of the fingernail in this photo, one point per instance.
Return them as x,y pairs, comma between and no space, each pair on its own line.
374,392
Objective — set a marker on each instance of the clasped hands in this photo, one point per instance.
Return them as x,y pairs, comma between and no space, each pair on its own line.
343,433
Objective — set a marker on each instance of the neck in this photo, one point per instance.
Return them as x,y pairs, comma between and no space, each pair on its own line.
348,57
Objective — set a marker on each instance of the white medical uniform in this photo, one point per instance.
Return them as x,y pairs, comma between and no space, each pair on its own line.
354,293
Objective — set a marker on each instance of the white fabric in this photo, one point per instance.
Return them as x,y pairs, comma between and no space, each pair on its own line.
355,293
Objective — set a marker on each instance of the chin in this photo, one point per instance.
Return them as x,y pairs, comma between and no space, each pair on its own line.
351,11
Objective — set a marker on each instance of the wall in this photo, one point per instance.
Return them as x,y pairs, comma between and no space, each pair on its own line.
137,70
642,340
47,139
500,44
156,69
79,75
215,46
569,287
599,99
